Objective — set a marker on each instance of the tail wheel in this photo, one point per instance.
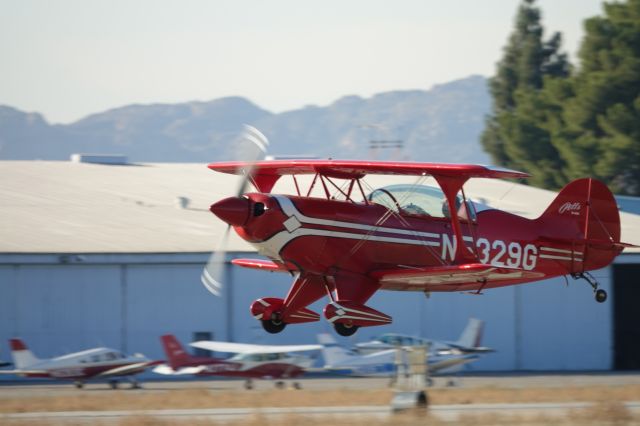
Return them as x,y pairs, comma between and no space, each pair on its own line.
273,325
345,329
601,295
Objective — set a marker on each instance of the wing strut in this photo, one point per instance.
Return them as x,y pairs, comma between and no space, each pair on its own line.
450,186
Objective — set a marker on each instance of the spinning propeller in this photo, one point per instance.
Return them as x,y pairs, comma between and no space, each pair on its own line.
251,146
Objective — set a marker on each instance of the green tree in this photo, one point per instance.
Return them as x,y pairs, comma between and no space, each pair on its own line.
517,132
602,135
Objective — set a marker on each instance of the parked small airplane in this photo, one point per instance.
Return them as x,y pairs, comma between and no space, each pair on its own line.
383,363
270,362
91,364
469,341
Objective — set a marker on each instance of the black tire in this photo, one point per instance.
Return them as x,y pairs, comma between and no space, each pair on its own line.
345,330
114,384
79,385
273,326
601,296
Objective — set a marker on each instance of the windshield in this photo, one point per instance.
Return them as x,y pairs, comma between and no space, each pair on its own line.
418,200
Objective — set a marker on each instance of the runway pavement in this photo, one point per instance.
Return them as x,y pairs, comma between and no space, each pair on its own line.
502,380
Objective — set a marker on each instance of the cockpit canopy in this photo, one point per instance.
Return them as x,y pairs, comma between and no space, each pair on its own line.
419,200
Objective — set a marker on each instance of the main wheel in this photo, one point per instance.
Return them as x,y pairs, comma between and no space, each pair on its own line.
344,329
273,326
601,295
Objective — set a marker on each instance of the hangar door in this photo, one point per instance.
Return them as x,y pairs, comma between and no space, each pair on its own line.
626,316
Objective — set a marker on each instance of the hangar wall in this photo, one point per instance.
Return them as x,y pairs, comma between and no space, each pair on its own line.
127,301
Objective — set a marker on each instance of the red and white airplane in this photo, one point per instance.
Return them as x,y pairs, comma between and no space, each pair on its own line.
269,362
347,244
92,364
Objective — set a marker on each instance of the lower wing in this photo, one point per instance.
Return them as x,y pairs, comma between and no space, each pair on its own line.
468,276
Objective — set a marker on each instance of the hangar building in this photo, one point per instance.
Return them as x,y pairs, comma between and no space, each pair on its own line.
96,254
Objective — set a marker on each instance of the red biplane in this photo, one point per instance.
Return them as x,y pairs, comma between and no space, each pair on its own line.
350,243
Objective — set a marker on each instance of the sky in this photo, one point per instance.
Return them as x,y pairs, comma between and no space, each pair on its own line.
67,59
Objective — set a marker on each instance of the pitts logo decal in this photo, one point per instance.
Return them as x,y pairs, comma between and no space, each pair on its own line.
573,208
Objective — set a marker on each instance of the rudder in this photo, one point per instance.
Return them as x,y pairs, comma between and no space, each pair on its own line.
22,356
586,213
176,354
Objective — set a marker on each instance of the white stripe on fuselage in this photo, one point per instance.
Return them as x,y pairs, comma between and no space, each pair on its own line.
274,245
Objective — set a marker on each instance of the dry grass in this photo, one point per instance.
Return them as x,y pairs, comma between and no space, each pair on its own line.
205,398
607,410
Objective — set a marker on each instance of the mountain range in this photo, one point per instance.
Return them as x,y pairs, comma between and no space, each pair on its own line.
442,124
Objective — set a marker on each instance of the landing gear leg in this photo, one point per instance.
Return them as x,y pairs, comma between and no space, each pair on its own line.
79,384
114,384
135,384
248,385
600,294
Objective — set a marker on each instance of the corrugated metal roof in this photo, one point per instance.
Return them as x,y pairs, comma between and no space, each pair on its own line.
65,207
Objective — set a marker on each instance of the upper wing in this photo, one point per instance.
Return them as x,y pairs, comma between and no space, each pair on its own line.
264,174
246,348
473,275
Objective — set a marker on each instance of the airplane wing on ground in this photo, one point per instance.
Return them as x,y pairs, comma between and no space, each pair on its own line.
448,363
18,372
246,348
471,275
129,368
168,371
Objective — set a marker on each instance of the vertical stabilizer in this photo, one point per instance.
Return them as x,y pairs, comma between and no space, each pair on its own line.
585,215
176,354
471,336
22,356
332,352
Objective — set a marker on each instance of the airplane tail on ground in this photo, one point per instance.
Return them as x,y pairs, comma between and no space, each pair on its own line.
176,354
584,215
471,336
332,352
22,356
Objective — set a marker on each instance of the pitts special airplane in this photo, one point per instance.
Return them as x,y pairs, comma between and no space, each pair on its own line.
269,362
347,244
92,364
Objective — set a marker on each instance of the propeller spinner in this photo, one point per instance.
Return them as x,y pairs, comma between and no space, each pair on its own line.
251,147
